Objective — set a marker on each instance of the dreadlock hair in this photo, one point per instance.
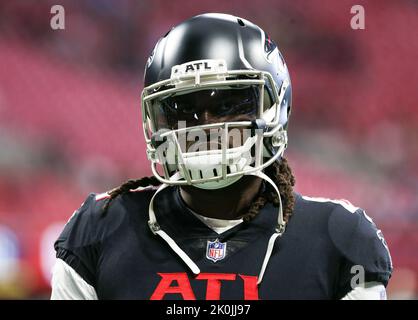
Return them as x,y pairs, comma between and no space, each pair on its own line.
128,186
282,176
279,172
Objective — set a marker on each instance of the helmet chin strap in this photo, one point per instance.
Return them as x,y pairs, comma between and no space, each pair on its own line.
156,229
217,184
279,230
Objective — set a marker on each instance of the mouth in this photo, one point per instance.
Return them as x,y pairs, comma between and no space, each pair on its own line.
214,139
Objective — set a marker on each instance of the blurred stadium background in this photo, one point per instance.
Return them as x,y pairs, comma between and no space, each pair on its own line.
70,118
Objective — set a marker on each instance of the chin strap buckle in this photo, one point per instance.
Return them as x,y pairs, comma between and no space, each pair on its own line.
280,229
154,226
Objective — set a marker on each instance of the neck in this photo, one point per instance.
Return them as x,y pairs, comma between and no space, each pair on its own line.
226,203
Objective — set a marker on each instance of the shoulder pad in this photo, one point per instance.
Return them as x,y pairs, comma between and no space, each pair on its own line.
88,225
357,238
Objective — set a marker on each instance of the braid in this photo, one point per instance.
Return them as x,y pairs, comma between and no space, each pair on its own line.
282,176
127,186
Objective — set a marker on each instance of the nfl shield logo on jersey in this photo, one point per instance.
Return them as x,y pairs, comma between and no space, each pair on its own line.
215,250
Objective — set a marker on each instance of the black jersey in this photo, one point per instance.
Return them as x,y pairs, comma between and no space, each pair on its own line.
121,258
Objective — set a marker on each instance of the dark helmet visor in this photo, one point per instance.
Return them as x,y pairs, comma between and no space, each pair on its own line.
207,106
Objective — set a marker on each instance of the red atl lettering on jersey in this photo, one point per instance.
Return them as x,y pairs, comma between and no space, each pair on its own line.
213,288
183,286
250,287
179,283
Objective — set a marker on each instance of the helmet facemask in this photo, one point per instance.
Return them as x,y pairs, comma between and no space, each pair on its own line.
207,126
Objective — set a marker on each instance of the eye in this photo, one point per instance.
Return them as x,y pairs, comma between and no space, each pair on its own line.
224,107
247,106
187,109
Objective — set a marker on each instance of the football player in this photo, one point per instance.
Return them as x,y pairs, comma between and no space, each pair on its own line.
219,218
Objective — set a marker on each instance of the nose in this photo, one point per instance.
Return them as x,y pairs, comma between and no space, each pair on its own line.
207,117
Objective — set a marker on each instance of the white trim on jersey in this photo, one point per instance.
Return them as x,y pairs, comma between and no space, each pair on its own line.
67,284
106,195
102,196
370,291
345,203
